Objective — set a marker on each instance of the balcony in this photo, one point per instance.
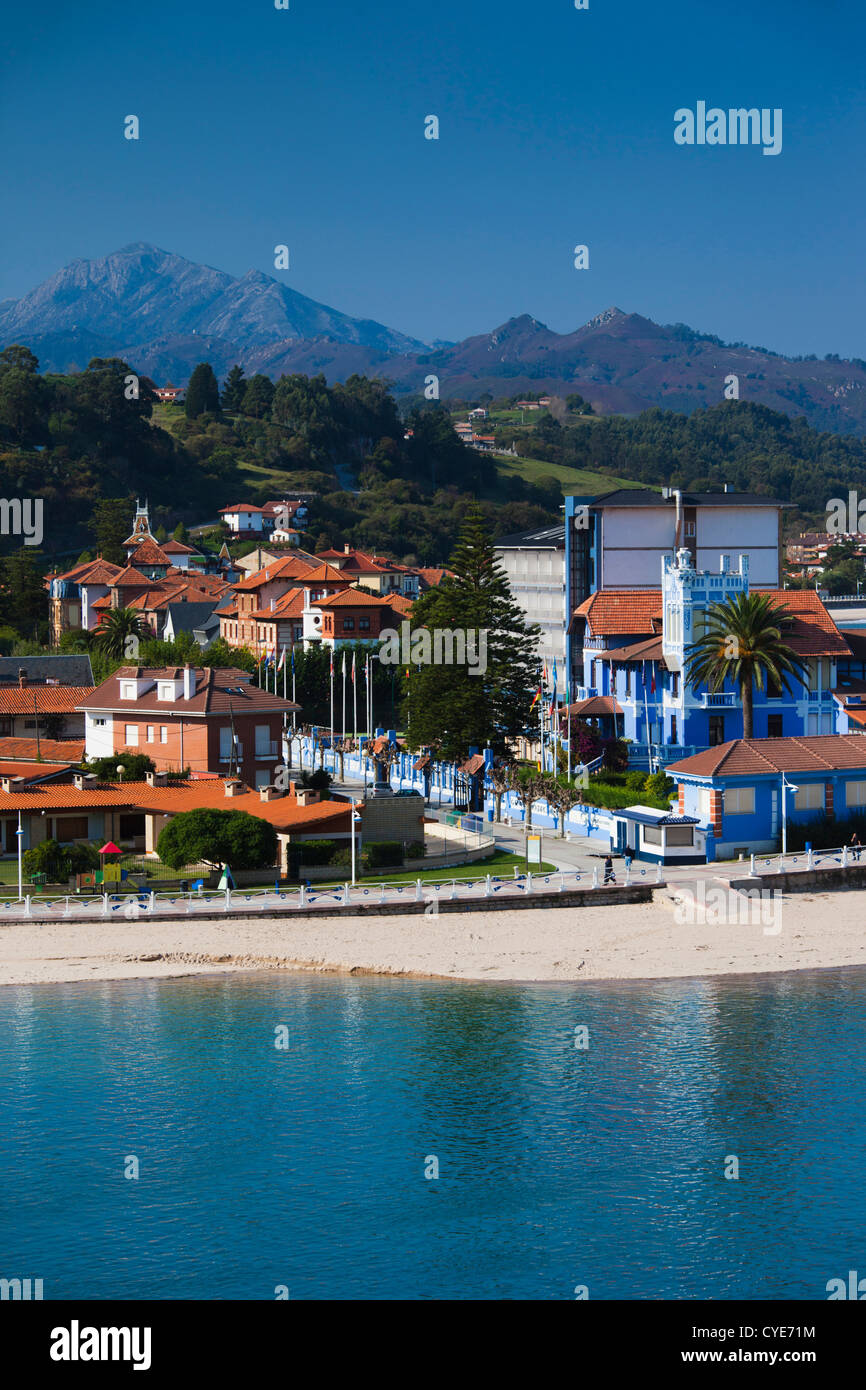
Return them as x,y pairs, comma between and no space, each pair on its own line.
227,756
722,701
267,750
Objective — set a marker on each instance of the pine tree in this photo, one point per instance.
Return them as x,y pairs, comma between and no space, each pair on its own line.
446,706
202,392
233,391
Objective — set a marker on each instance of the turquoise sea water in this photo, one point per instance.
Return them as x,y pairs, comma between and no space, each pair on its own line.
558,1166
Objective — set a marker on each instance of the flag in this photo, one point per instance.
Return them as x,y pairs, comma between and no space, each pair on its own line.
332,661
554,674
293,660
282,660
652,680
344,665
353,668
535,698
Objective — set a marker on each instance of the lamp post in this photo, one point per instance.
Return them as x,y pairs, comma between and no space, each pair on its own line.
356,820
20,833
786,786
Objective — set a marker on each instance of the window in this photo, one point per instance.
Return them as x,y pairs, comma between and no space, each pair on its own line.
855,793
130,735
717,730
99,723
225,743
348,624
127,690
651,834
774,689
150,733
163,734
739,801
70,828
680,835
131,826
809,798
774,726
166,690
363,624
263,740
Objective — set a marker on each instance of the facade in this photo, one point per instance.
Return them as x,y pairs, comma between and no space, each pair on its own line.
534,564
30,709
133,814
210,720
619,539
635,646
736,790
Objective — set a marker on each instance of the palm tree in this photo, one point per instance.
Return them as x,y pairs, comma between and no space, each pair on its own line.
119,625
743,641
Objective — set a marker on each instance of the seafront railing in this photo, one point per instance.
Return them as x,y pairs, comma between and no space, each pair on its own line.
805,860
328,897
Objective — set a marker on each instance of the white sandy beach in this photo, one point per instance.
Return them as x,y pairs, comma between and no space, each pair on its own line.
630,942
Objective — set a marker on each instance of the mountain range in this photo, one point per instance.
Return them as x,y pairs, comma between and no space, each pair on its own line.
162,314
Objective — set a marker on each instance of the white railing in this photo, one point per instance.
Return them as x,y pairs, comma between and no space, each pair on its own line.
803,861
131,906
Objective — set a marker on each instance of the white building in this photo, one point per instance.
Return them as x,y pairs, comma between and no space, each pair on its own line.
534,563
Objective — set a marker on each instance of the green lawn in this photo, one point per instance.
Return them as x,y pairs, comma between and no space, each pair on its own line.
577,480
501,865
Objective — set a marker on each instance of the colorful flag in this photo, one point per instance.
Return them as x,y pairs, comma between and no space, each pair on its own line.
332,661
535,698
344,664
554,673
282,660
353,668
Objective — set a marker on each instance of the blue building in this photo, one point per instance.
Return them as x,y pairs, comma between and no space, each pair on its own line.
736,790
634,645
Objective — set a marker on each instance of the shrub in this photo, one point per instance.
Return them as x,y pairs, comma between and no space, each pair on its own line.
316,851
134,765
659,785
58,861
416,849
215,837
383,853
637,781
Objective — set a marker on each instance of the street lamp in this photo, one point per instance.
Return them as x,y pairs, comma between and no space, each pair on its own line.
20,833
356,820
786,786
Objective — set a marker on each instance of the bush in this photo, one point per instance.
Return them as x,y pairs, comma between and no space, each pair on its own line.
316,851
58,861
637,781
416,849
384,853
134,765
659,785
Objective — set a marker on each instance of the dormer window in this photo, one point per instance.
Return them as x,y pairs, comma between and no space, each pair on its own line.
127,690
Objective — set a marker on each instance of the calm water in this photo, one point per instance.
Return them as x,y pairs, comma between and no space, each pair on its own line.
558,1166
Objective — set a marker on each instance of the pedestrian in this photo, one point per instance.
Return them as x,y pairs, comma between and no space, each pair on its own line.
855,844
609,875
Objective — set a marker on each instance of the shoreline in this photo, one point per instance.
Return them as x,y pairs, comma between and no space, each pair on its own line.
636,942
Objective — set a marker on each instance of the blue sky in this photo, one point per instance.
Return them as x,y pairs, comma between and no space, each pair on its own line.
305,126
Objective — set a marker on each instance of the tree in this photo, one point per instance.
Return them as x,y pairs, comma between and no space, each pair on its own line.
529,786
562,795
501,779
446,703
180,534
202,392
59,861
120,631
134,765
110,526
743,642
22,592
258,396
233,390
215,837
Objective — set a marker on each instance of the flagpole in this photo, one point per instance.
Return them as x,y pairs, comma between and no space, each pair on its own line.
344,695
294,711
332,710
355,698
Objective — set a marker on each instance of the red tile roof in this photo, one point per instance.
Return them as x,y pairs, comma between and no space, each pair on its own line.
130,577
217,691
771,756
178,548
33,772
621,612
51,750
351,598
148,552
47,699
290,567
594,706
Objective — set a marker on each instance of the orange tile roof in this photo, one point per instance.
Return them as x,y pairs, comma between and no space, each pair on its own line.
47,699
100,572
284,813
325,574
51,750
813,632
290,567
218,690
79,572
594,706
772,756
351,598
33,771
148,552
131,577
621,612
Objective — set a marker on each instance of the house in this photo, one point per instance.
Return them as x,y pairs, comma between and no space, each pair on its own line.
350,616
29,710
133,814
735,790
635,645
182,557
242,518
186,617
173,395
74,669
210,720
255,598
71,594
375,572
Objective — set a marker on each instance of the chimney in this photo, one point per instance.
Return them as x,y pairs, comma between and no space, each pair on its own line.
269,793
85,781
346,548
156,779
188,682
22,678
305,796
234,787
11,784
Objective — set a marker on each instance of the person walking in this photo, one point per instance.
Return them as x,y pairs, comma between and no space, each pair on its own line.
609,875
856,846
